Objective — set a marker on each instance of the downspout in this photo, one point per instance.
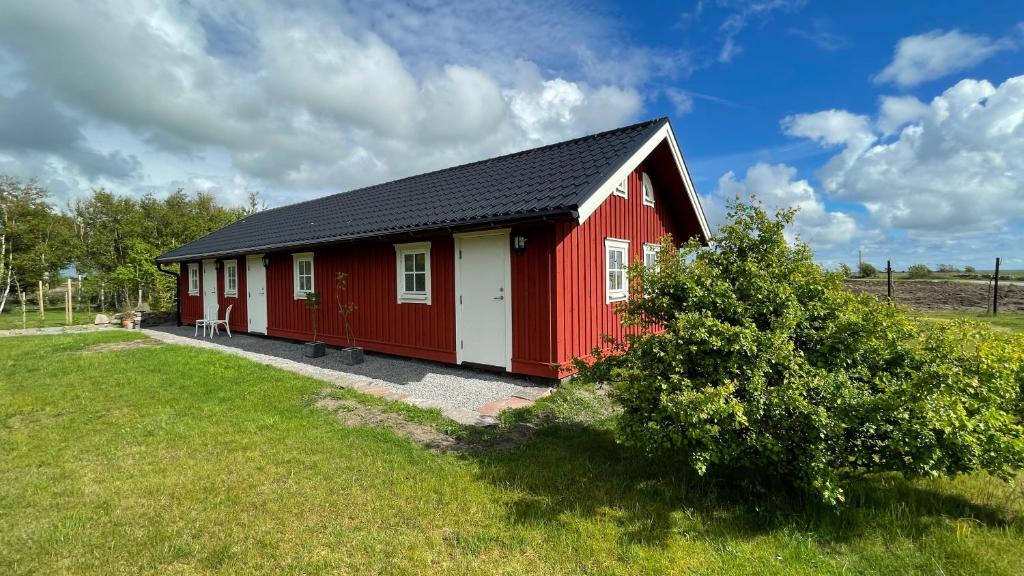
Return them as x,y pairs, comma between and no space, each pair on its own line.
177,288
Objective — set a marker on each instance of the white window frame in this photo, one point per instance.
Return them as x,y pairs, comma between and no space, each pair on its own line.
651,250
610,294
230,265
193,279
296,259
648,190
401,250
622,188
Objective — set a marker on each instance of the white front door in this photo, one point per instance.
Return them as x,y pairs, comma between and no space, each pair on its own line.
209,289
256,286
483,299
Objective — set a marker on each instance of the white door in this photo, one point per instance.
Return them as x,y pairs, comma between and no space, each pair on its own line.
256,286
209,289
483,299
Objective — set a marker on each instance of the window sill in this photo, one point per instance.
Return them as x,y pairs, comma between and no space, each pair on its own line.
191,293
414,299
231,294
648,203
617,298
300,295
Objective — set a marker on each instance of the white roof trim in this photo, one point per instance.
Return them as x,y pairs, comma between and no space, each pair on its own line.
591,204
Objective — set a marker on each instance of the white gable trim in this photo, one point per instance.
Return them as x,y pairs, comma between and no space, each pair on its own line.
591,204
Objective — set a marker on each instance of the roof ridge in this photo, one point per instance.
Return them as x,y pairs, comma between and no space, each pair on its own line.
645,124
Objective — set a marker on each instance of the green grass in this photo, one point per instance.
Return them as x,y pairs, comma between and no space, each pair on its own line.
1009,321
11,318
178,460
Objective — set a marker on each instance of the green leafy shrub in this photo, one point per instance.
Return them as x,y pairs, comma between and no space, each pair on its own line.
919,271
866,270
844,270
970,270
752,359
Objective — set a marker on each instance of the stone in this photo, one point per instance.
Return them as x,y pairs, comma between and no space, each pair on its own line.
532,392
101,319
498,406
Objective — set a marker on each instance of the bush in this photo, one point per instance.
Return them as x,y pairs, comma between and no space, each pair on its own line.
948,268
918,271
750,358
844,271
866,270
970,270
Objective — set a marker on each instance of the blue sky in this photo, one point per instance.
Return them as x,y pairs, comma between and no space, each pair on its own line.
897,128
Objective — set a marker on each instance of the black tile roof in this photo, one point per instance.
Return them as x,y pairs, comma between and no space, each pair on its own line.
551,180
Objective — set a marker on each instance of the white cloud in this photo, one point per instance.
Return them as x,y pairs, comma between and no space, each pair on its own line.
298,101
744,13
936,54
777,187
682,101
953,165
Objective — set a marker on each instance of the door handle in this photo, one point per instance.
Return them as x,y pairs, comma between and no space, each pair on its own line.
499,297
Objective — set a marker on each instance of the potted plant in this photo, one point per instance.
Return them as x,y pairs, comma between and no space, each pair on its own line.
127,317
351,354
314,349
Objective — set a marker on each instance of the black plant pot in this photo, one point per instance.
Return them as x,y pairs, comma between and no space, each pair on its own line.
313,349
351,356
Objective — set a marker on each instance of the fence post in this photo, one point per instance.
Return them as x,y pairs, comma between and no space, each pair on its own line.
888,279
995,291
68,316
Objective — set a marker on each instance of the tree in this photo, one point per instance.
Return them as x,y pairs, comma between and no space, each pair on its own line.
970,269
918,271
749,358
948,268
866,270
844,270
34,241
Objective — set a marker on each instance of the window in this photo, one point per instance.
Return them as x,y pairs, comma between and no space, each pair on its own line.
302,265
413,267
648,190
622,188
651,255
231,277
616,261
193,279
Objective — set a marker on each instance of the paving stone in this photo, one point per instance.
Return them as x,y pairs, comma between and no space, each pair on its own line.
532,392
468,417
498,406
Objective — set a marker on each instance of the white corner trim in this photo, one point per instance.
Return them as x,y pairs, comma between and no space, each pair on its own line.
412,297
591,204
619,295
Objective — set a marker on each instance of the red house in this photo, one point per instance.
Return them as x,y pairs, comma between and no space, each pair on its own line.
515,262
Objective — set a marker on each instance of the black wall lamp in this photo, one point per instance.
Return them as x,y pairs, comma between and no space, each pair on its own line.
519,243
266,260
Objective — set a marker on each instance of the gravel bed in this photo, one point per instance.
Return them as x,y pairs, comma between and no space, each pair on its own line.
450,386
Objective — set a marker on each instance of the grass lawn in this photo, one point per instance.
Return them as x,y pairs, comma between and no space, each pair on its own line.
1009,321
168,459
11,318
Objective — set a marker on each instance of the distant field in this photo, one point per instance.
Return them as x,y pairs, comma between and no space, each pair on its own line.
1012,321
945,295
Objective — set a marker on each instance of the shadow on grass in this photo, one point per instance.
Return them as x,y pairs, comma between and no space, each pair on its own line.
573,471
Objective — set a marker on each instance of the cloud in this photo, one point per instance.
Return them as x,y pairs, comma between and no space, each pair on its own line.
935,54
744,13
820,36
954,165
681,100
298,101
777,187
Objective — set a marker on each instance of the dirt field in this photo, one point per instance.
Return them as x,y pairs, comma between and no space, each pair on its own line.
946,295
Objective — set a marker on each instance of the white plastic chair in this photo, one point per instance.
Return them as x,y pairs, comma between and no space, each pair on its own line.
209,320
226,323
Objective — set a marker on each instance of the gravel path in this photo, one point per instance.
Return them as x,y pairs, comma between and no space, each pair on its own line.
54,330
459,392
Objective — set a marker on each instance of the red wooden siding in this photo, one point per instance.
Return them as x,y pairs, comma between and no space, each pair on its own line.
191,305
582,315
379,322
533,325
239,317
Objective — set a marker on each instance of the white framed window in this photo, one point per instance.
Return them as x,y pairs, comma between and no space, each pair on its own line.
648,190
302,271
412,263
616,261
651,255
193,279
231,277
622,188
